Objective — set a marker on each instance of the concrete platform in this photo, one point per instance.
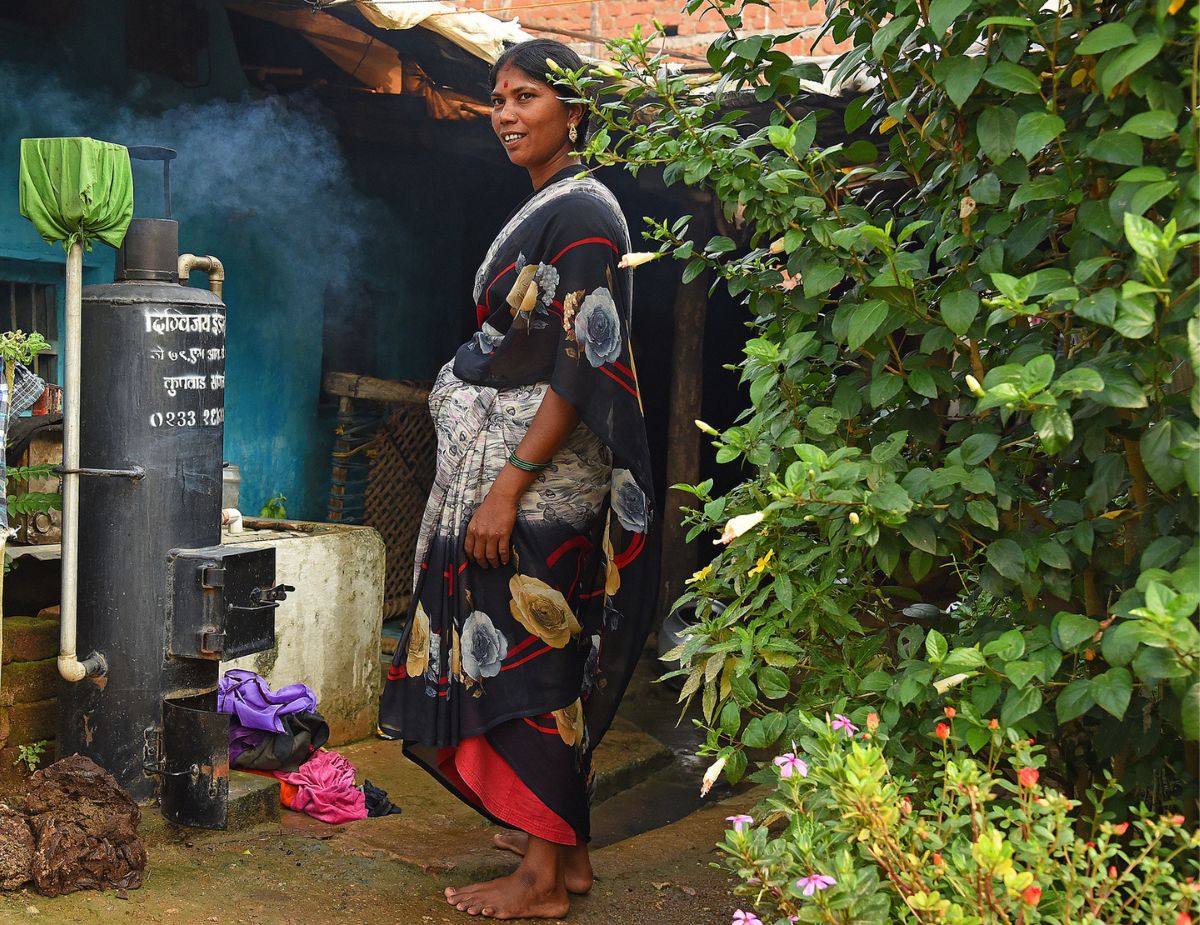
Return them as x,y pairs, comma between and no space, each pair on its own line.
393,869
253,801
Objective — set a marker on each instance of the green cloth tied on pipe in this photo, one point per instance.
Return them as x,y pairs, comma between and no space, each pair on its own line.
76,189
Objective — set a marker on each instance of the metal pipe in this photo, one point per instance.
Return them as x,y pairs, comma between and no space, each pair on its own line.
69,665
208,264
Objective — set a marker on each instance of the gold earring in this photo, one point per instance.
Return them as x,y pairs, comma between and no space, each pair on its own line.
573,134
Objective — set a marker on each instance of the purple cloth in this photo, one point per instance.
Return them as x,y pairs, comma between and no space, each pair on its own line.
256,706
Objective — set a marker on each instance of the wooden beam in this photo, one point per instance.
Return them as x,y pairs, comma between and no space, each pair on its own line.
679,558
349,385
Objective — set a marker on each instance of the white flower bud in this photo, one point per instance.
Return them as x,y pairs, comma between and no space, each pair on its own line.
711,776
739,525
706,428
629,261
975,388
853,518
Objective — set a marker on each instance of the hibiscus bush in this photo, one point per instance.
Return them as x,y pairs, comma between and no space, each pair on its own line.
842,840
969,460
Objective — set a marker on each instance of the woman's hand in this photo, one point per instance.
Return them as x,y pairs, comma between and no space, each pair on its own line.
489,534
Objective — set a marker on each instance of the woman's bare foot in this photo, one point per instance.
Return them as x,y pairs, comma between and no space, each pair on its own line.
577,864
534,891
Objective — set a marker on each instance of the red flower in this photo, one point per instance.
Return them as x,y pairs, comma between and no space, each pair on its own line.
1032,894
950,712
1120,828
993,723
937,858
1177,819
942,731
1112,871
872,721
1028,777
1183,919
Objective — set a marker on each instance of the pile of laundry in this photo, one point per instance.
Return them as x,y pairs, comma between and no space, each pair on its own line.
280,734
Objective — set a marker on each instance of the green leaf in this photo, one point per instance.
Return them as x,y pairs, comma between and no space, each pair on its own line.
1157,123
1115,147
1038,189
920,380
963,659
1162,465
1019,703
1112,690
820,277
1022,671
1102,38
884,388
1121,390
959,75
1135,317
997,131
1036,374
773,683
983,513
1006,557
935,646
943,12
883,38
919,564
1054,428
920,535
1035,130
959,309
823,421
755,734
1143,237
1189,713
1110,71
890,498
1079,379
1071,629
1012,77
875,683
1100,307
1075,700
1120,642
977,737
865,320
978,447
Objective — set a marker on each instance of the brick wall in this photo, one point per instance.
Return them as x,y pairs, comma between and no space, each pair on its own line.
28,690
614,18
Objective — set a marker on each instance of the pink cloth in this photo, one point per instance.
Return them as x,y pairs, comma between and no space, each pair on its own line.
325,789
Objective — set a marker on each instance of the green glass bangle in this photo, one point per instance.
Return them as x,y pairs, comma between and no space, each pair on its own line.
524,465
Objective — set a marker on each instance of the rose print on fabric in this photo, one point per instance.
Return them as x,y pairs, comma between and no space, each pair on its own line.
542,610
418,644
598,328
434,669
571,303
629,501
483,647
456,656
591,668
570,723
546,280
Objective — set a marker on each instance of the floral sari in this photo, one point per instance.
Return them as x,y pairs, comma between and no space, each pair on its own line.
507,678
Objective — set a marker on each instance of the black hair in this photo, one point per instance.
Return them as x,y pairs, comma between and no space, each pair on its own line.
530,57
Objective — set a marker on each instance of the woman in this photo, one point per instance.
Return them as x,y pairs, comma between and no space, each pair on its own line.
533,585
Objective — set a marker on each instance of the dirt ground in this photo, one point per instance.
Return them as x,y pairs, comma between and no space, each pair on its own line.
389,870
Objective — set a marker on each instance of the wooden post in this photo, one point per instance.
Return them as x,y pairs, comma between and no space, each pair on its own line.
679,558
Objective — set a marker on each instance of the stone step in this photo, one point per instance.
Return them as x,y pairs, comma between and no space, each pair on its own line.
253,801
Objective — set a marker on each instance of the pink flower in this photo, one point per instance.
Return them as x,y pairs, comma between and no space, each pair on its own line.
1028,777
746,918
740,821
844,724
789,764
814,883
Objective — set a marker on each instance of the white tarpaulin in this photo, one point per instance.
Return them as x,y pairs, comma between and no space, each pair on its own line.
482,35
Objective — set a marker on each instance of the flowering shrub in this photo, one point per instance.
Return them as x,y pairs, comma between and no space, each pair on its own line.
969,457
842,840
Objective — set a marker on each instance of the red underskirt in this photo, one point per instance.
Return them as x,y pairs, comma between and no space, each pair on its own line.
485,779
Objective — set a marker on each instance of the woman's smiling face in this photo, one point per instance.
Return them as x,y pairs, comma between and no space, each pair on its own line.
531,121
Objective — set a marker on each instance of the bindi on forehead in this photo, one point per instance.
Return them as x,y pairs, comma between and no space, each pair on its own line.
506,85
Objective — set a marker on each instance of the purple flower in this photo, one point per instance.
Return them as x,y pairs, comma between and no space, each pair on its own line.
789,764
740,822
746,918
843,723
814,883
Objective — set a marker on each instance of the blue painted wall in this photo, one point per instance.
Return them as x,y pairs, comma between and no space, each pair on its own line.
265,185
